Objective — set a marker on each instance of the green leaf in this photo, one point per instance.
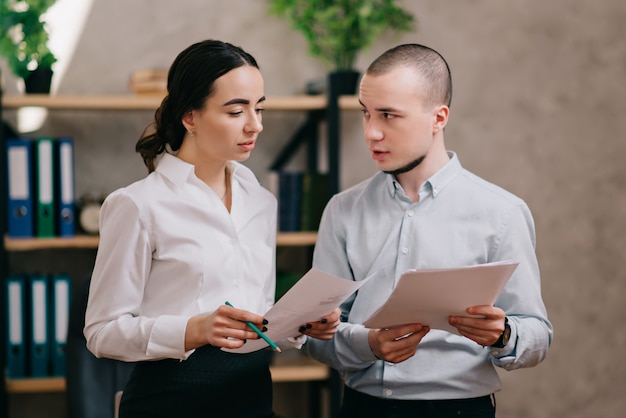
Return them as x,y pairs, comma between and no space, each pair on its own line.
337,30
24,36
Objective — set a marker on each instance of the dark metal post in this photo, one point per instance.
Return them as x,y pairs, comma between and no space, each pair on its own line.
339,83
333,126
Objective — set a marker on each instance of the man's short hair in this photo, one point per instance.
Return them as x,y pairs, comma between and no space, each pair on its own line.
426,61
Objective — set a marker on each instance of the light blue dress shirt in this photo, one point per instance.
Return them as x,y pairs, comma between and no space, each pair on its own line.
460,220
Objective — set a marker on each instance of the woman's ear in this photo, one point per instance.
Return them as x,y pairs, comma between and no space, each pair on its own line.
188,121
440,118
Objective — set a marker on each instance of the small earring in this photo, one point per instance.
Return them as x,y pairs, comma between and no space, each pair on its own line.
190,132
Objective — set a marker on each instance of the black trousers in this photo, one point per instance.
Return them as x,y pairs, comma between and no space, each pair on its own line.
209,384
360,405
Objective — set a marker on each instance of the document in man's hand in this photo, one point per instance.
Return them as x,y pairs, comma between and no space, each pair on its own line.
430,296
316,294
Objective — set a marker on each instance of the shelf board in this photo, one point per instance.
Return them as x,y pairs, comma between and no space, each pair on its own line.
285,239
35,385
294,366
349,103
304,373
107,102
29,244
295,239
295,102
152,101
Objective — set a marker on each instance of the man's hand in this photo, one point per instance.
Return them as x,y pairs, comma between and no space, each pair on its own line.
484,330
397,344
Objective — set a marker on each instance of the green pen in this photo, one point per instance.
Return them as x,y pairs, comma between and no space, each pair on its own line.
259,332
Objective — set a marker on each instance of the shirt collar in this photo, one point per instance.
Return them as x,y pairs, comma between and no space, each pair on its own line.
437,181
174,169
178,171
445,175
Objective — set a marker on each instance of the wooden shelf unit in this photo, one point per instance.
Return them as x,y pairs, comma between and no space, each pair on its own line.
285,367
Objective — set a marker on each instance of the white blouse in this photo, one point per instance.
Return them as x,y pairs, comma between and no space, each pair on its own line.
169,250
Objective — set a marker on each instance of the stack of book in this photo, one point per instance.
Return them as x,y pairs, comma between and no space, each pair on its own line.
152,81
302,197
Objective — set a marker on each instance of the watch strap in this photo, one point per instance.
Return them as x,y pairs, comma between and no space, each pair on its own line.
504,337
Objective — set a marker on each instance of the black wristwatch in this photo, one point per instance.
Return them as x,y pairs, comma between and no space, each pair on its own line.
505,336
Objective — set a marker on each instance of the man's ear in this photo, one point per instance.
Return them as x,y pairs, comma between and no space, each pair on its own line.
440,117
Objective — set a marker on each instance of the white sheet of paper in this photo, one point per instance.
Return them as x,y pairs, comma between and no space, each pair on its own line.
430,296
313,296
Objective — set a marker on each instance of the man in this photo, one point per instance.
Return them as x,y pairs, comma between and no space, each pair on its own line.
424,210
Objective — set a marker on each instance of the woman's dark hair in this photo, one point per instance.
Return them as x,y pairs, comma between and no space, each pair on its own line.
190,82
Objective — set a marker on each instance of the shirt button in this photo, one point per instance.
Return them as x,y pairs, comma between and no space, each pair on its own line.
405,250
389,392
410,213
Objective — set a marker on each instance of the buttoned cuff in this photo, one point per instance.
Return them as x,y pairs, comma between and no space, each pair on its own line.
358,336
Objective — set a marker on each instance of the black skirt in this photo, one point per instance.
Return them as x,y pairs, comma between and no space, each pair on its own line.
211,383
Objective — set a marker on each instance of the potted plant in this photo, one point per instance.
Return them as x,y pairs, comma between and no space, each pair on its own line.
337,30
24,42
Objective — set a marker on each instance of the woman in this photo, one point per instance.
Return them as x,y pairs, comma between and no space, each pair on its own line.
199,230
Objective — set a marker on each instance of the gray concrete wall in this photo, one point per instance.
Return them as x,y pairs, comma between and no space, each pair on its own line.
539,91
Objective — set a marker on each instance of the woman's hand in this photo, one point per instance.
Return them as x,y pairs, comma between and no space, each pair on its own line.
226,327
325,328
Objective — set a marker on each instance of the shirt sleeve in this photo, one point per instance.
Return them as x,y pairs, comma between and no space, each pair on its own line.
114,327
531,331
